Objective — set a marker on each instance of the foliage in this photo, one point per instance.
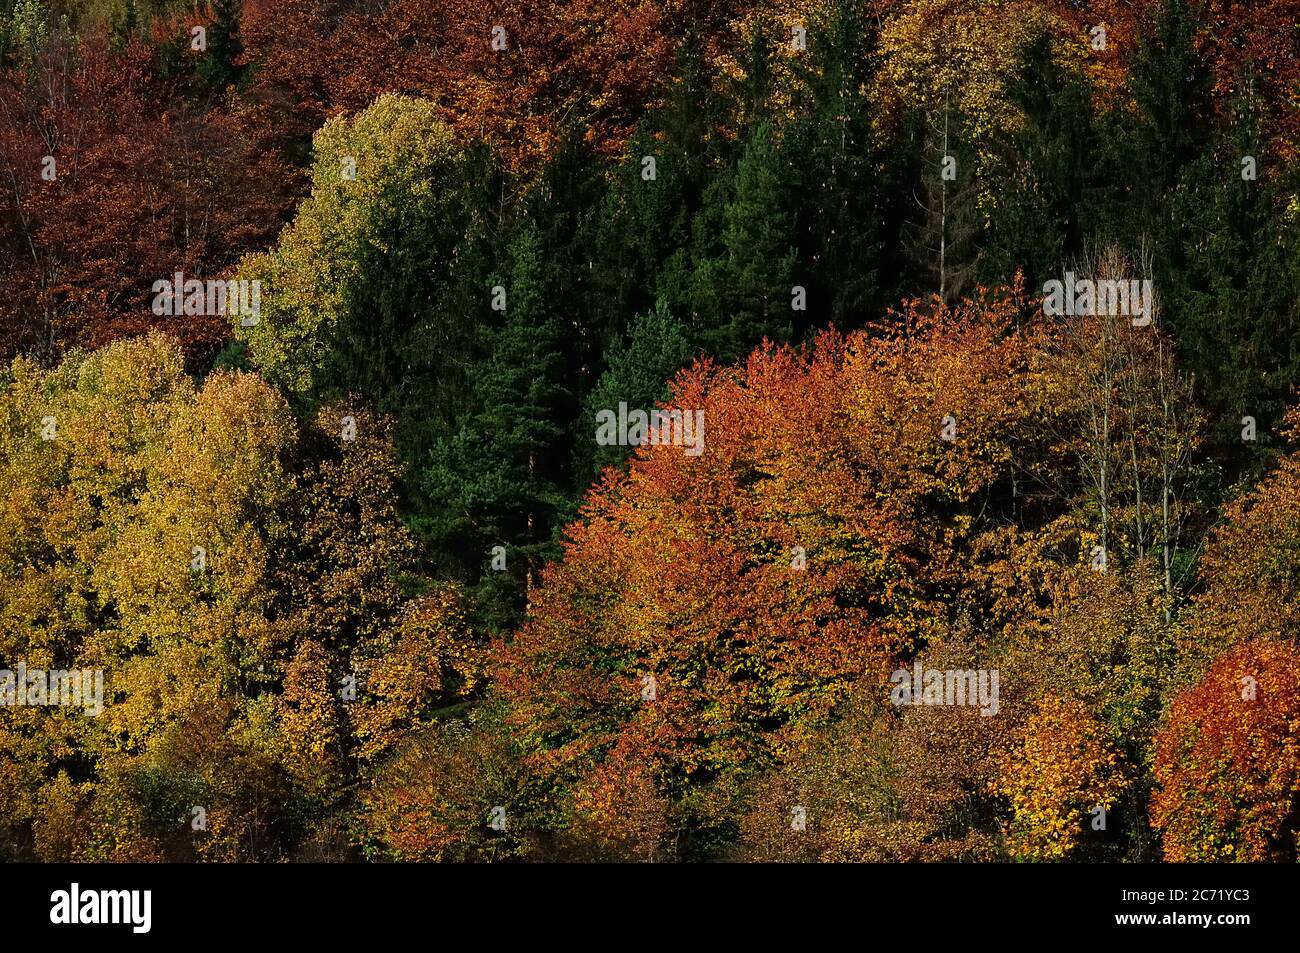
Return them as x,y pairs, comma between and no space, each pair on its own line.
1060,770
225,575
363,582
1226,761
683,570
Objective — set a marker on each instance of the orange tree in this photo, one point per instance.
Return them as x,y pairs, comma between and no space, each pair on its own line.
1228,764
710,610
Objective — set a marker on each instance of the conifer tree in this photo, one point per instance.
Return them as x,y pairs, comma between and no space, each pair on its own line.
1044,206
1233,300
498,481
943,234
650,220
377,287
640,366
760,258
838,213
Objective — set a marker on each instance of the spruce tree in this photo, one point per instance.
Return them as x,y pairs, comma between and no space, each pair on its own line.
943,235
760,258
646,229
839,216
1232,301
641,364
1043,208
498,481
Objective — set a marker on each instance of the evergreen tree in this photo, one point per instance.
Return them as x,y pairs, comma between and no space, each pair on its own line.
640,367
498,481
668,174
839,216
206,74
1147,148
420,303
377,290
1042,211
1233,300
565,203
1170,82
760,260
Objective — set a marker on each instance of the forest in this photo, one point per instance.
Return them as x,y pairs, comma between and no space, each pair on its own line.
649,430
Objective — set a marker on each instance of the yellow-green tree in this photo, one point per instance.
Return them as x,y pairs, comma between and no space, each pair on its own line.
229,572
378,287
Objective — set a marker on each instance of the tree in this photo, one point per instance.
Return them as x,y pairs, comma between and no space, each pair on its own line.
943,237
840,211
112,182
939,56
1226,763
1249,569
686,571
662,216
1062,768
1130,420
227,576
1229,305
640,369
1049,172
376,287
450,793
759,263
499,480
559,59
885,784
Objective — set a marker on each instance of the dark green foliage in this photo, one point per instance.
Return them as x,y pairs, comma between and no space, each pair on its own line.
654,216
417,312
754,277
497,481
1040,218
619,271
203,74
840,216
943,233
640,366
1232,300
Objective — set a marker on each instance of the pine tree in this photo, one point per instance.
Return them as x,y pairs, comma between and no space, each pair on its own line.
760,259
565,203
1233,302
499,480
1170,82
640,367
1147,148
839,214
650,221
1043,208
377,290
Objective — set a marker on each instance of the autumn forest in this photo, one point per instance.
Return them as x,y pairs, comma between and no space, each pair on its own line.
650,430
